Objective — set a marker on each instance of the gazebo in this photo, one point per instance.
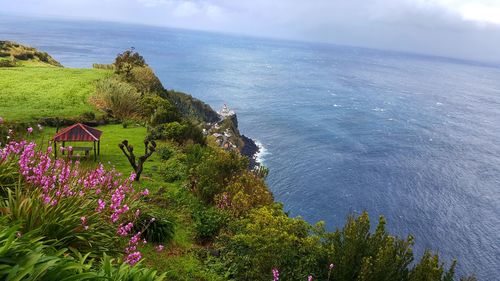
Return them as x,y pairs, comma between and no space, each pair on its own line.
79,133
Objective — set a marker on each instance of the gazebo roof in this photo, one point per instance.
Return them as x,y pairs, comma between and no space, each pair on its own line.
78,132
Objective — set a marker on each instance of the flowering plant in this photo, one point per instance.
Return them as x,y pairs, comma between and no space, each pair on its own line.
104,196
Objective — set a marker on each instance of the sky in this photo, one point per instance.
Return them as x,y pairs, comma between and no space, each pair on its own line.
468,29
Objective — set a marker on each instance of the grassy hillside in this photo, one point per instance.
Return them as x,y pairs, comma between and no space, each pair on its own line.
28,93
14,54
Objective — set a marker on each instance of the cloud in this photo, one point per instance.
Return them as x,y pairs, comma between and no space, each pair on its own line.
463,28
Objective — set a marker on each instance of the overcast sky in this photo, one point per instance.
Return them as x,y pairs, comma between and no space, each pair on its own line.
457,28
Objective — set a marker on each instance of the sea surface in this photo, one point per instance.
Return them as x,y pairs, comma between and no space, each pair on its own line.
411,137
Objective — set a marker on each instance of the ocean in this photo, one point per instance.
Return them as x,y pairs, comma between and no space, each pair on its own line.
411,137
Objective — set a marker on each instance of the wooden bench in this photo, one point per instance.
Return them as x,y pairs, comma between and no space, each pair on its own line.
85,149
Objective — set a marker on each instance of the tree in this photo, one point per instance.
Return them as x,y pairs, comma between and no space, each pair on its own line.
128,150
126,61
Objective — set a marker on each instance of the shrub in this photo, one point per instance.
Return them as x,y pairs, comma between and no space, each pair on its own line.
126,61
174,169
178,132
208,223
127,123
165,153
154,228
145,80
158,110
87,116
116,98
269,239
8,63
103,66
244,193
215,170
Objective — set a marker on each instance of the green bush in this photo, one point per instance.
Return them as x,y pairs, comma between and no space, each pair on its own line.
157,110
165,153
214,171
244,193
269,239
174,169
145,80
87,116
208,223
116,98
178,132
8,63
154,228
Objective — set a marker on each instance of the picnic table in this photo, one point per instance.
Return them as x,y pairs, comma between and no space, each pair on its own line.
85,149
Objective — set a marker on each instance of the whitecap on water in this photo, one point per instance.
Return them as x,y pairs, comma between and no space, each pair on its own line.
378,109
259,156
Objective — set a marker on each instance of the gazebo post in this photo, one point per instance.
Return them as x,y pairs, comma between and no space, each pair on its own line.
55,149
63,145
95,154
99,147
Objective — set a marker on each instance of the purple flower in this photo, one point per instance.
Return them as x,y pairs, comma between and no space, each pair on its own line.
30,130
159,248
84,223
133,258
309,278
145,192
276,274
331,266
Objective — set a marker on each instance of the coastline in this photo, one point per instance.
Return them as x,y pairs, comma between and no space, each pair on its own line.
251,150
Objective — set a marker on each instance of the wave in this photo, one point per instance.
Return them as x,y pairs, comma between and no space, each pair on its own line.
260,155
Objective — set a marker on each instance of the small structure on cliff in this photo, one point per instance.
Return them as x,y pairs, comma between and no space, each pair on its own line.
225,112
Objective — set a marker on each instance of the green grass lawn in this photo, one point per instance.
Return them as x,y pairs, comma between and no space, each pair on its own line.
29,93
111,155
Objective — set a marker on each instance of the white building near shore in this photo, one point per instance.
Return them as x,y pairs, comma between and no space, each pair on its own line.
225,112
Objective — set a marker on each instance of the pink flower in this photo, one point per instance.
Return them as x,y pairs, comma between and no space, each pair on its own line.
309,278
159,248
132,177
133,258
276,274
145,192
101,205
123,230
331,266
84,223
30,130
70,148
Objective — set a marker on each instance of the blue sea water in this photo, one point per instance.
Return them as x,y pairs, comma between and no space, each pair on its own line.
414,138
